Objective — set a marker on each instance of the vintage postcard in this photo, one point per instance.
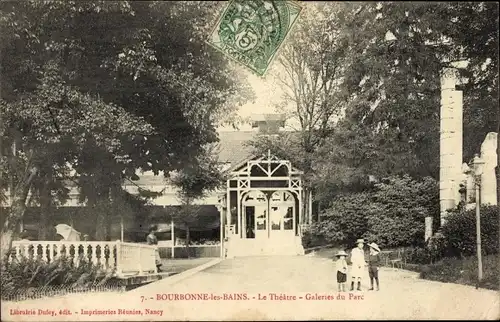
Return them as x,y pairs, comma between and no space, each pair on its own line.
249,160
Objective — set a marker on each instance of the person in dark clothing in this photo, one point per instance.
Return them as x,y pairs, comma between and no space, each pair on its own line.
25,236
374,264
151,239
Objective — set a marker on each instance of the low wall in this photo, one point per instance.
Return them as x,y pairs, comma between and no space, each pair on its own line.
195,251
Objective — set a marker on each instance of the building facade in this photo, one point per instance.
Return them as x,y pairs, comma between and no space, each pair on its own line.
259,213
263,208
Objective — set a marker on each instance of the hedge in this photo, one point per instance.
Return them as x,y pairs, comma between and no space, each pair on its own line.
459,232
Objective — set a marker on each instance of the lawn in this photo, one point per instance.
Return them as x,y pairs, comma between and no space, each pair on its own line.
464,271
182,264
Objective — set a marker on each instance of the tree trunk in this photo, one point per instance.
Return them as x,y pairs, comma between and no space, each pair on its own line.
497,169
101,226
319,211
14,216
45,208
188,237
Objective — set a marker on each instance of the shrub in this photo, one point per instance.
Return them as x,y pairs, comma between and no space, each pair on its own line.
437,246
417,255
463,271
313,236
460,231
392,214
345,220
27,273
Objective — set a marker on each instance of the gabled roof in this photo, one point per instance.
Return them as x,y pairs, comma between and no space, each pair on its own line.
232,146
262,158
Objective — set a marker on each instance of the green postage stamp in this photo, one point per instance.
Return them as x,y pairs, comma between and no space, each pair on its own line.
251,31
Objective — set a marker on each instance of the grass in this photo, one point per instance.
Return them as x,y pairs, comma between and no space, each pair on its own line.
182,264
464,271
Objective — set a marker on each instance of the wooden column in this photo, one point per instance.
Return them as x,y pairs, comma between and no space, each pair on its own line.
121,228
309,206
221,212
238,210
172,234
301,205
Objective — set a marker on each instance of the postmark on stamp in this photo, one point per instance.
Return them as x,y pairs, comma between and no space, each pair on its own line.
251,31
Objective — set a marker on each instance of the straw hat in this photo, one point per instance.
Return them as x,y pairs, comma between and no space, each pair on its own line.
362,241
374,246
341,253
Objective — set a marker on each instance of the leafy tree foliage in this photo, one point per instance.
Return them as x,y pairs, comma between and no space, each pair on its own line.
201,176
194,182
389,57
106,87
392,85
391,213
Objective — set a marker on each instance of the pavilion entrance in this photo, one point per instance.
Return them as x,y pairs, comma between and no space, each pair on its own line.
264,208
270,215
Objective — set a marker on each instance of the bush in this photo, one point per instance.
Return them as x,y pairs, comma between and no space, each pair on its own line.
345,220
459,231
313,236
437,246
417,255
29,273
392,214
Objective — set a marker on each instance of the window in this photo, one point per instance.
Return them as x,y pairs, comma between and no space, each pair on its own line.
276,216
261,221
288,219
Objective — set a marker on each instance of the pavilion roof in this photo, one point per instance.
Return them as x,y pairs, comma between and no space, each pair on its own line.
232,146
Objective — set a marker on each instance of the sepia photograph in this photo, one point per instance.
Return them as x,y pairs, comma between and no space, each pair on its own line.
249,160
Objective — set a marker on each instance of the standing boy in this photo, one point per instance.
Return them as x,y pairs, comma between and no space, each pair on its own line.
373,264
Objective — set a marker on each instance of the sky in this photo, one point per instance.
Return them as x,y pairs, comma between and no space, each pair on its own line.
268,93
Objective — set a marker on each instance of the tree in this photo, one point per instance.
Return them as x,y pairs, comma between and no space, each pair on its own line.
198,178
310,71
37,142
389,89
312,64
136,97
392,83
187,214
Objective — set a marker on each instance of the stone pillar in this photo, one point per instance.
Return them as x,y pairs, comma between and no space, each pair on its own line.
488,177
451,142
428,228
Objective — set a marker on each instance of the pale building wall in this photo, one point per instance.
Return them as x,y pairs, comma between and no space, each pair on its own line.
168,198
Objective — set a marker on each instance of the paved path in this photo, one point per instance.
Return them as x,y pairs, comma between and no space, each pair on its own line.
402,296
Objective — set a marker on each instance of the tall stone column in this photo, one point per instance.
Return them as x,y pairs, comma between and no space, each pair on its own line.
488,177
451,142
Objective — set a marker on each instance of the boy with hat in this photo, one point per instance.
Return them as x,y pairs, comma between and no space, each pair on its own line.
373,264
358,263
341,264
